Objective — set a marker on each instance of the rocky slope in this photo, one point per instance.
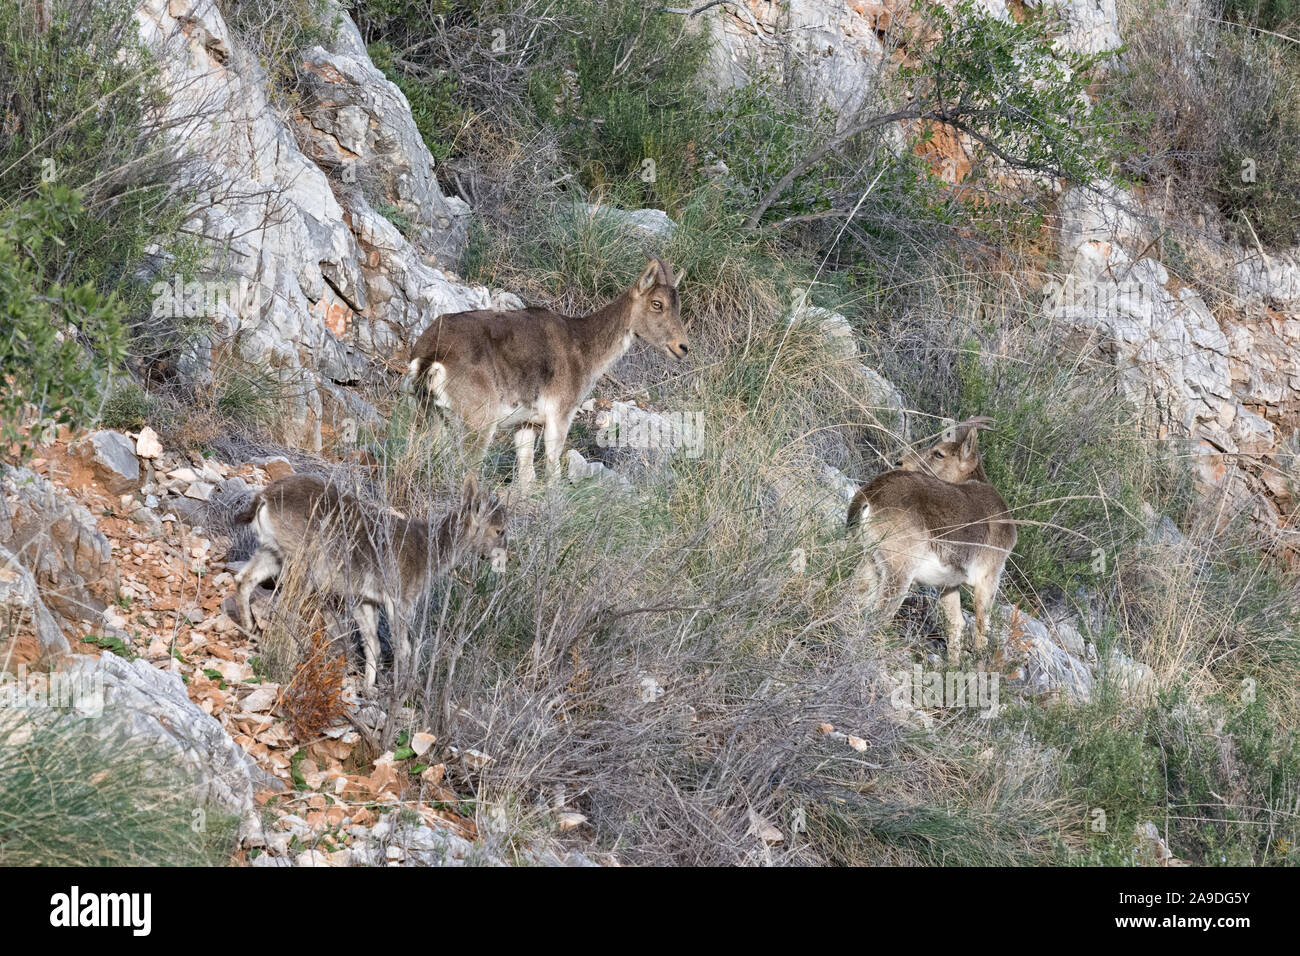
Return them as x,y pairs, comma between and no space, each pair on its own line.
113,537
333,291
113,566
137,620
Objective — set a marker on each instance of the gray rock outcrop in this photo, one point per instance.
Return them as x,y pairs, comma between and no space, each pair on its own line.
60,543
140,705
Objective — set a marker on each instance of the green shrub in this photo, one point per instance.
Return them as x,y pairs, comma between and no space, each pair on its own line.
88,133
637,117
128,407
1213,779
1257,181
434,101
759,135
1280,16
59,343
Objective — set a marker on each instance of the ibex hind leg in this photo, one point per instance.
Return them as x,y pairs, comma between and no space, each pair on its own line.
950,603
427,406
880,587
367,616
399,632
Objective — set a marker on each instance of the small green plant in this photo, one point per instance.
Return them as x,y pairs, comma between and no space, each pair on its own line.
109,643
398,218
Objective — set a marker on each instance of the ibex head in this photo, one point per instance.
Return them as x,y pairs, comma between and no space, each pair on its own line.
480,520
955,457
656,316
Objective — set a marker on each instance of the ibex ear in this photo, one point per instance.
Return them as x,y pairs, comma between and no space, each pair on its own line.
648,277
678,280
970,444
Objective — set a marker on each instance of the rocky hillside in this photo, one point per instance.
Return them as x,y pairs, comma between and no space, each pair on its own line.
892,216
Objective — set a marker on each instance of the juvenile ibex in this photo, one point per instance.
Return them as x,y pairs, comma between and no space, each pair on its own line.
935,520
355,550
528,367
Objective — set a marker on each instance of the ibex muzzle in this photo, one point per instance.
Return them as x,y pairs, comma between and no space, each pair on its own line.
935,521
526,368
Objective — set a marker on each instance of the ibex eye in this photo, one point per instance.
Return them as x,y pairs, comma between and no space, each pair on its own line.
657,305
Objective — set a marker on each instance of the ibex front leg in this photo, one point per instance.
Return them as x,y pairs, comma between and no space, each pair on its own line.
556,431
263,565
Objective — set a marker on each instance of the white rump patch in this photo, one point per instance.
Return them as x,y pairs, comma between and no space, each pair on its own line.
437,376
262,526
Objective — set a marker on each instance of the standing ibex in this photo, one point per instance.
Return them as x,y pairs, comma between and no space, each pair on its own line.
355,550
935,520
528,367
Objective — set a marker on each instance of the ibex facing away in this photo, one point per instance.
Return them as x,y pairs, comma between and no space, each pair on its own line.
935,521
525,368
355,550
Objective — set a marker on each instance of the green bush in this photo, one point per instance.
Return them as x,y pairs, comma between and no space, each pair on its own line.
1257,181
637,116
59,343
759,135
1279,16
88,133
1213,779
434,101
